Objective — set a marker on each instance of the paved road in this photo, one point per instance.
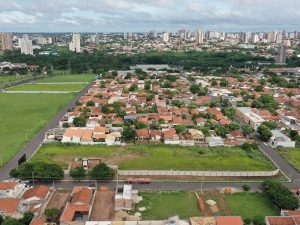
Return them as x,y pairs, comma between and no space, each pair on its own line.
35,142
284,166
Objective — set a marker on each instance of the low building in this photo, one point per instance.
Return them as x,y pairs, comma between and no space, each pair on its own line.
124,197
10,207
12,189
279,139
36,194
249,117
214,141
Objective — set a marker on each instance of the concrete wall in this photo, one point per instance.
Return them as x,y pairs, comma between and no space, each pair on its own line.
198,173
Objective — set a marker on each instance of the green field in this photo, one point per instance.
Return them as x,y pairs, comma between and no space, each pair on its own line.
162,205
24,115
48,87
70,78
292,155
249,205
160,157
4,79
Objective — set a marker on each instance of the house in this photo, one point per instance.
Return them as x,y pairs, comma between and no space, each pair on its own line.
279,139
11,189
10,207
170,137
282,220
79,205
143,135
36,194
155,135
249,117
124,197
229,220
197,136
214,141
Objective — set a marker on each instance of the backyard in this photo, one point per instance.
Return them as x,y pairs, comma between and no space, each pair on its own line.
22,116
48,87
292,155
160,157
250,205
162,205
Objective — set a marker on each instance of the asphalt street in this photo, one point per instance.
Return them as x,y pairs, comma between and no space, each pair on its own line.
36,141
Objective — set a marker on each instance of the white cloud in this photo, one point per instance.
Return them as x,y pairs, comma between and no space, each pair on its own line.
16,17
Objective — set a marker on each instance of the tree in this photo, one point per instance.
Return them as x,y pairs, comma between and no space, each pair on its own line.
194,88
27,217
233,126
264,132
114,73
180,128
259,88
223,83
271,124
11,221
102,172
280,195
90,103
77,173
65,125
38,170
140,125
79,121
129,135
133,87
52,214
222,131
247,129
246,187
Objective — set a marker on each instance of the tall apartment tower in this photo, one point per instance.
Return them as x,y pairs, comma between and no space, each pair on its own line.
74,46
282,54
200,37
165,37
26,45
5,42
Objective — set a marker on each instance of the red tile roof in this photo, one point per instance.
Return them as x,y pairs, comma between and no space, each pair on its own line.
9,205
40,191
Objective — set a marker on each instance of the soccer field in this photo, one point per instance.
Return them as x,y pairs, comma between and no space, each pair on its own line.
69,78
49,87
23,115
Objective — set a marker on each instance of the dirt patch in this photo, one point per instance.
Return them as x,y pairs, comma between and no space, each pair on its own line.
59,199
104,206
121,158
222,206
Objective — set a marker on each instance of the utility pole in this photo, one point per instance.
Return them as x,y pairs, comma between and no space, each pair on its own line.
33,178
1,159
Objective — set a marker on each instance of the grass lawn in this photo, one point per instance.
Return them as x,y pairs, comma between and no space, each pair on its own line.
292,155
21,114
70,78
48,87
160,157
249,205
4,79
162,205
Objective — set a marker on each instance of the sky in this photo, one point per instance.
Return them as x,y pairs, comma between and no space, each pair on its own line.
146,15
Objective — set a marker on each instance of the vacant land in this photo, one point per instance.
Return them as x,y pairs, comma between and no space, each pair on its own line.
69,78
22,116
160,157
59,199
249,205
104,203
48,87
292,155
162,205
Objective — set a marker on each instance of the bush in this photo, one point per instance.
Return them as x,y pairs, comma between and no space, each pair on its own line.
246,187
280,195
77,173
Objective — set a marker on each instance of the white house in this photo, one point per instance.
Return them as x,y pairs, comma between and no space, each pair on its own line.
214,141
11,189
279,139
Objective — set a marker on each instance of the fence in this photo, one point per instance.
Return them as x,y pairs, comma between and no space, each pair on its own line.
198,173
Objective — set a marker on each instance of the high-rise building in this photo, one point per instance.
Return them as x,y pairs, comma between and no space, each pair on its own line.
282,54
26,45
5,41
254,38
200,37
74,46
165,37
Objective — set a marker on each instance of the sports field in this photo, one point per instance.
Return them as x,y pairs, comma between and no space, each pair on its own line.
69,78
48,87
22,116
160,157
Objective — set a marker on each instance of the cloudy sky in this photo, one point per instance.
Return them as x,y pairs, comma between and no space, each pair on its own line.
145,15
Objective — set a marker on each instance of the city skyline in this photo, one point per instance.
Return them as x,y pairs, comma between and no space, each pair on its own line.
141,16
